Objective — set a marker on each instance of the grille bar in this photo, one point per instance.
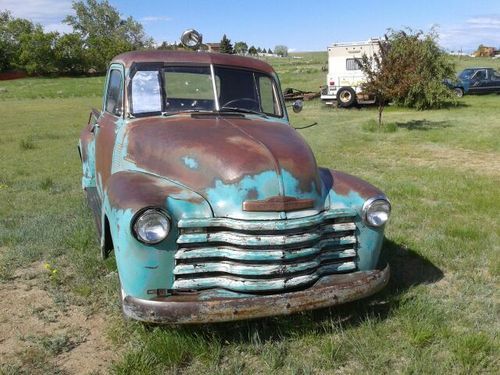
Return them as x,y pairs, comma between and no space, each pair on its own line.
262,285
264,225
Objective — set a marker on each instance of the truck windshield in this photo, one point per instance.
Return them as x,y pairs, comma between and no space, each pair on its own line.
176,89
466,74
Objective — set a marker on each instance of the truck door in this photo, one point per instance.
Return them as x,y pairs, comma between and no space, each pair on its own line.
479,82
105,131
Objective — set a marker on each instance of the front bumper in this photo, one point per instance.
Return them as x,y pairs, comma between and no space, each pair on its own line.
328,291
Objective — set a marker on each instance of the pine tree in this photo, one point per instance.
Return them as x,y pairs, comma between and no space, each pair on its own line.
226,46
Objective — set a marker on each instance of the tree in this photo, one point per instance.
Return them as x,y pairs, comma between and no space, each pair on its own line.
259,50
281,50
104,33
70,54
11,30
269,51
241,48
36,52
408,69
226,46
252,51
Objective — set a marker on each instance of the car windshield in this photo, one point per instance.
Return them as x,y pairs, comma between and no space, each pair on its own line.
175,89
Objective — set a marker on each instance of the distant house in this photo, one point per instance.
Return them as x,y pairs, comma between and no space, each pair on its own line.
484,51
213,47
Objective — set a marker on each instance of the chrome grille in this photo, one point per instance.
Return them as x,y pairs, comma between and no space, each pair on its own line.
264,256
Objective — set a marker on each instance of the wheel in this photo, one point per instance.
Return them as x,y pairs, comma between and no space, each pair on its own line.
459,92
346,97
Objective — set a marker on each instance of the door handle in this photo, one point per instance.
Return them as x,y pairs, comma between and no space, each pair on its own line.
94,127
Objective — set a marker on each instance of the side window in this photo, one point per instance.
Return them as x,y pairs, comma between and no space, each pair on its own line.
267,97
352,64
114,93
480,75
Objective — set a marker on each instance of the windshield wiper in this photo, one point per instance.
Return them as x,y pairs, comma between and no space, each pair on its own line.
243,110
167,114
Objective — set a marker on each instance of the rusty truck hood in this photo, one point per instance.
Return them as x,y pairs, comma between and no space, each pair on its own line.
244,167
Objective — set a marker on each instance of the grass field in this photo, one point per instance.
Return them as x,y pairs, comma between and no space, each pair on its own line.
440,313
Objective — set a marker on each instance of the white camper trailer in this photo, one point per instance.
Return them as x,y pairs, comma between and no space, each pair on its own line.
344,79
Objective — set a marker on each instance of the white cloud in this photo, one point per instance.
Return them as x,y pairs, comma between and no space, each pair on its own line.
474,31
155,19
40,11
62,28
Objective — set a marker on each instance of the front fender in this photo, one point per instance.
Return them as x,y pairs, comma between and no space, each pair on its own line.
141,267
350,193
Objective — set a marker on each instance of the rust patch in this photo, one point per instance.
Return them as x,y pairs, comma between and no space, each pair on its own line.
344,183
228,157
136,190
173,57
288,147
278,204
329,291
105,143
241,148
252,194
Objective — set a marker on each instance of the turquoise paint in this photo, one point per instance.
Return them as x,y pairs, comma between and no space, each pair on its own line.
227,199
88,179
190,162
143,267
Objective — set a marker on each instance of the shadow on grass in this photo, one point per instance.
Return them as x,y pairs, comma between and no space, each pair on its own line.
423,125
408,269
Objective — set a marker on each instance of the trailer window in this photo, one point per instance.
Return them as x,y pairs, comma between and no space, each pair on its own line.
352,64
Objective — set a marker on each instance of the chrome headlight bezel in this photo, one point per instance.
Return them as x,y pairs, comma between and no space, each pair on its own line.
373,203
141,218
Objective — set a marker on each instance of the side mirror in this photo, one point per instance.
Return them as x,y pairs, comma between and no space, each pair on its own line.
297,106
191,39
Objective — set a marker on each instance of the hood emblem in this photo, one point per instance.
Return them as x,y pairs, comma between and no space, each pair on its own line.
278,203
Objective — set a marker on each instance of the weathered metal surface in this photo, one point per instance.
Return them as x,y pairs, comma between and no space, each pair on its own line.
250,210
246,161
284,204
329,291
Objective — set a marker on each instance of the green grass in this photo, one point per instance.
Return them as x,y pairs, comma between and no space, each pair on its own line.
439,314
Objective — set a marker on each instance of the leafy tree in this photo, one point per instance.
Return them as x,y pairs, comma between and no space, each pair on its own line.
104,33
226,46
70,54
36,53
408,69
259,50
11,30
252,51
269,51
281,50
241,48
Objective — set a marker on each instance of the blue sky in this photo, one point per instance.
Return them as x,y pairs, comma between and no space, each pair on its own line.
300,25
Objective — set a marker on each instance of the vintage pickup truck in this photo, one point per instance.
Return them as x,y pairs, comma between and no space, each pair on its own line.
213,204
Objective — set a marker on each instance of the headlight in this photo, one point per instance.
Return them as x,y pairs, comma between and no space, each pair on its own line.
376,211
151,226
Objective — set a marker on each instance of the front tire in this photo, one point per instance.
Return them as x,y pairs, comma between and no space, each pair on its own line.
459,92
346,97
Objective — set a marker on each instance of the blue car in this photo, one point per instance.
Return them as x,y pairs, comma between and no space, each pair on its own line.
476,81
